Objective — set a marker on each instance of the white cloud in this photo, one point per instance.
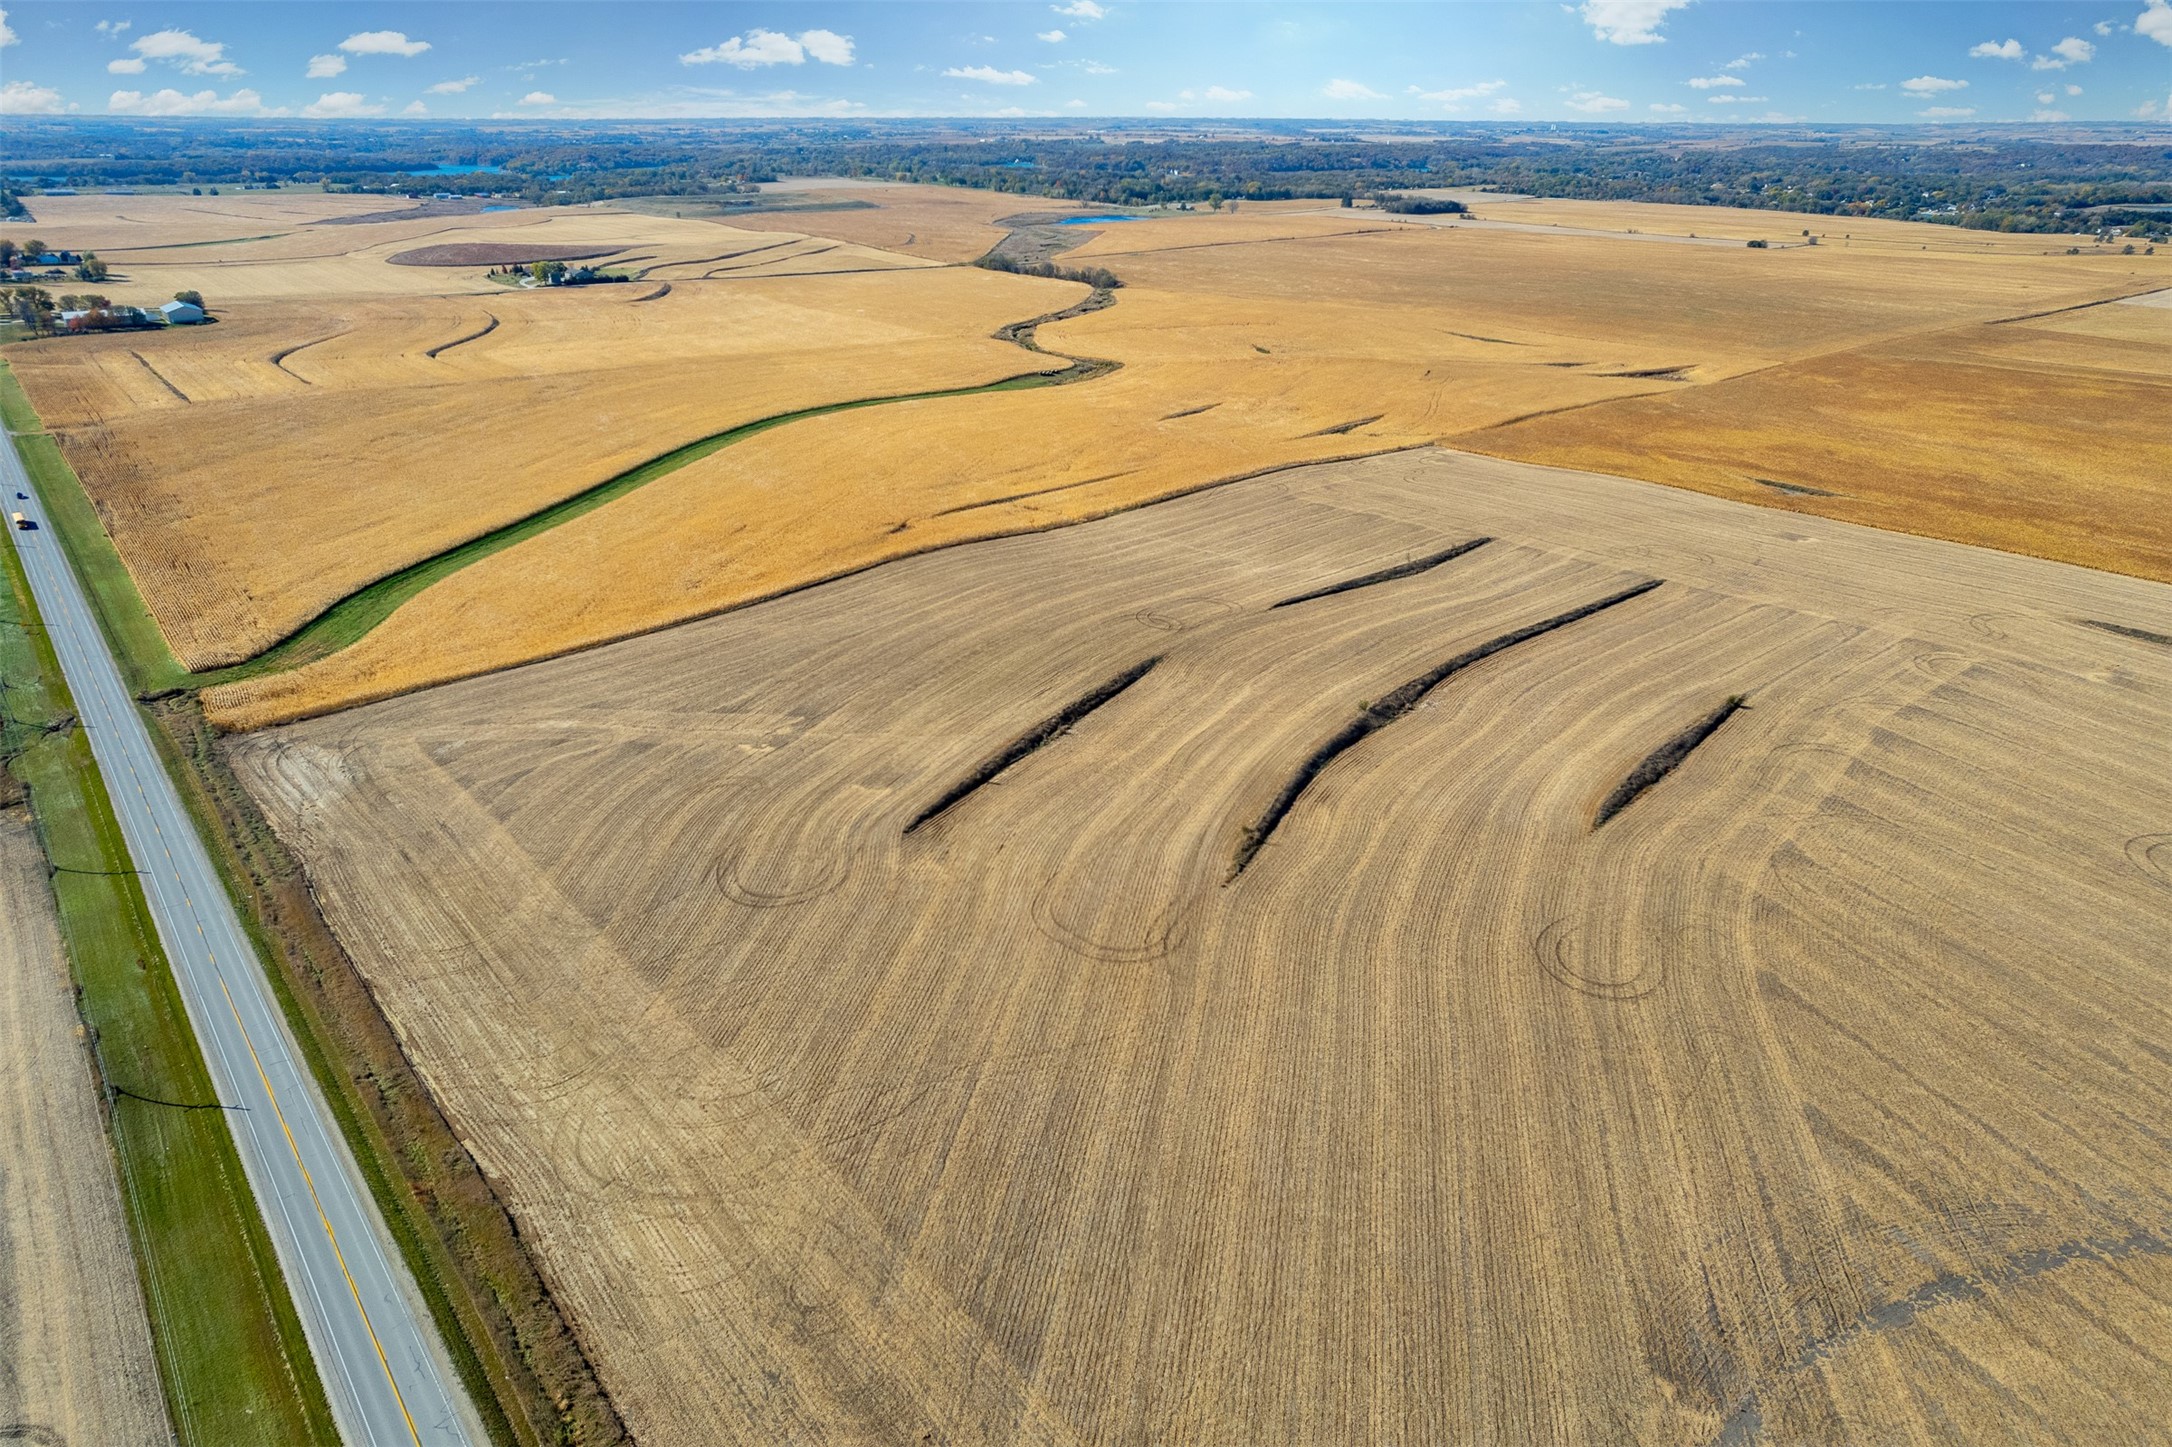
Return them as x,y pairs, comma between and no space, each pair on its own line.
2102,27
1223,95
1931,85
324,67
1095,67
1506,106
539,98
1628,22
1454,97
341,104
382,42
2156,22
2073,90
769,47
1669,109
244,102
454,87
1946,113
126,65
1081,10
2150,108
182,49
1775,118
112,27
1872,85
1161,107
1735,100
1592,102
7,32
989,75
2050,116
1996,50
415,108
2075,50
1053,37
2045,97
827,46
1712,82
1350,90
1074,105
25,98
1742,62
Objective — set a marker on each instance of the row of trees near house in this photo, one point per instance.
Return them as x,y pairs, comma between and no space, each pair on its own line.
35,310
558,273
35,253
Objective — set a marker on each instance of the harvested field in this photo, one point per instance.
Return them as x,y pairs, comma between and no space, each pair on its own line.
494,253
402,427
1984,436
76,1365
1247,356
299,261
940,223
1813,1098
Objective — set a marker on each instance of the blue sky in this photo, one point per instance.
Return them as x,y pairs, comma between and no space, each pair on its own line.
1602,60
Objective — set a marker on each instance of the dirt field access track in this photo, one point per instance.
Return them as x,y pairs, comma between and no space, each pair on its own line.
1811,1095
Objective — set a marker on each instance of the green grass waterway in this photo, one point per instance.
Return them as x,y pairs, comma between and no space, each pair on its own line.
151,666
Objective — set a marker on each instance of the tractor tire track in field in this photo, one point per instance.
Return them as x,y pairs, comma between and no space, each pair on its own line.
1665,759
1376,716
1041,733
160,376
1386,575
663,289
443,347
1022,496
356,614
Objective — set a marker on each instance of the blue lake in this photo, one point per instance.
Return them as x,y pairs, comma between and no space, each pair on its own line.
1095,220
501,208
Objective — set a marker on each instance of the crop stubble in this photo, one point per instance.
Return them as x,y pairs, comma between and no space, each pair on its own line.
1812,1095
75,1352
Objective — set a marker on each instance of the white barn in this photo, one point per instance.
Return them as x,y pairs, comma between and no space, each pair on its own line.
181,313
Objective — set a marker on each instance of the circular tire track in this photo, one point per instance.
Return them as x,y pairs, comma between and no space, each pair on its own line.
1176,615
2152,855
1556,949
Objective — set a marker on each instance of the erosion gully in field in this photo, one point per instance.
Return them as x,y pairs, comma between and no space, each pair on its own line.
1813,1090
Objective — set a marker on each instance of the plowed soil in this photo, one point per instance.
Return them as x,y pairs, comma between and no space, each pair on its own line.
1818,1097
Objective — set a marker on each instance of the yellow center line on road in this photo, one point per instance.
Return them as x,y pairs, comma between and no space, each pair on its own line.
293,1147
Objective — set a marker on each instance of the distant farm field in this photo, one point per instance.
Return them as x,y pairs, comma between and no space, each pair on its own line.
349,418
1424,949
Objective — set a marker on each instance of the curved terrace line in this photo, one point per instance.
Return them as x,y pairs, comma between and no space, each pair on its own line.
346,621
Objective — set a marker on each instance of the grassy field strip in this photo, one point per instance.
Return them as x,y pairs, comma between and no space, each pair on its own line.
359,612
234,1366
151,666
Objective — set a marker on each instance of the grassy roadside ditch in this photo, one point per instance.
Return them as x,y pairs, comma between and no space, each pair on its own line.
234,1366
515,1353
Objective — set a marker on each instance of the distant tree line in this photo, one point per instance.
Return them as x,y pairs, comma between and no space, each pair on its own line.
1098,277
1986,179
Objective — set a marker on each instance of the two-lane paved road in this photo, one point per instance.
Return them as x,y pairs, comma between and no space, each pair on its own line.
377,1350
